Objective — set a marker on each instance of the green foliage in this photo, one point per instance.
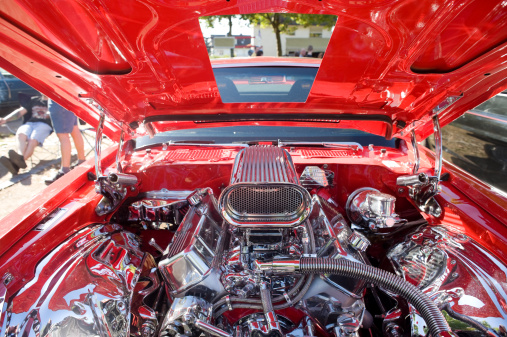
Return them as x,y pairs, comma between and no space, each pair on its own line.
280,22
211,20
288,22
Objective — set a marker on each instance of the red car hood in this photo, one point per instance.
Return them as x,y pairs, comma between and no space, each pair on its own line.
389,63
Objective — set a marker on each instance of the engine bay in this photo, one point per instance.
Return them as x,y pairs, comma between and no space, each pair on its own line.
253,243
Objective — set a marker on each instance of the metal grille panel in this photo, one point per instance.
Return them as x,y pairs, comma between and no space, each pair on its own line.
265,200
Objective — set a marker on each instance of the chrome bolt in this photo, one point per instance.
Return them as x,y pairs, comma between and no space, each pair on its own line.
454,275
462,237
359,241
8,278
453,261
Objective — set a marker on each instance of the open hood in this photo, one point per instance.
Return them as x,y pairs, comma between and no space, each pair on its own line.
388,63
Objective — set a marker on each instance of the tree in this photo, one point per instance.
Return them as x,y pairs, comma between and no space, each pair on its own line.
280,22
210,22
287,22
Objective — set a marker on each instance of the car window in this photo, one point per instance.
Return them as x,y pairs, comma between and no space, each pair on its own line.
496,104
264,84
5,73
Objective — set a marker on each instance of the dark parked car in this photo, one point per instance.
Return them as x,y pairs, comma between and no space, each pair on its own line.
10,89
488,119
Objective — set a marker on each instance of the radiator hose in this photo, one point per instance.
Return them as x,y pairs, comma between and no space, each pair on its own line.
436,322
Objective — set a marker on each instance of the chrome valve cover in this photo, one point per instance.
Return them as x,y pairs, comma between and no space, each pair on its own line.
191,261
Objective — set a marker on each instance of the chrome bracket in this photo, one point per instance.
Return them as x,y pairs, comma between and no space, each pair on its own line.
119,169
417,159
98,146
421,187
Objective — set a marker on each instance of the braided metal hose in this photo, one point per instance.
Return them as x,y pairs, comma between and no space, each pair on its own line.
429,311
266,297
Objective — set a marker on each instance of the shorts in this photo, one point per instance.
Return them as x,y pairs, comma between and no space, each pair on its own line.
63,120
35,130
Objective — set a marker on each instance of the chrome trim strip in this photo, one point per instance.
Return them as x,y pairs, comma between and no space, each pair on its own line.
268,64
438,147
54,218
417,159
98,146
120,147
166,194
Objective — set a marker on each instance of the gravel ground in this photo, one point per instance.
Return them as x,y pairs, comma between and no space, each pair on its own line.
483,158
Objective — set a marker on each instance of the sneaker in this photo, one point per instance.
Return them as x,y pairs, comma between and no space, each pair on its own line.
13,168
17,159
54,178
74,165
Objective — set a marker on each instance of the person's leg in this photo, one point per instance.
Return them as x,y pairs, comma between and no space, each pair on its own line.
22,141
16,157
32,144
22,137
39,134
65,149
77,137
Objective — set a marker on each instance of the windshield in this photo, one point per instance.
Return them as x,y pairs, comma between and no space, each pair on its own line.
252,134
264,84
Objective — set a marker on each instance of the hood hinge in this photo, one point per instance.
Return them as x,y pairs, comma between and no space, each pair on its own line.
423,188
113,187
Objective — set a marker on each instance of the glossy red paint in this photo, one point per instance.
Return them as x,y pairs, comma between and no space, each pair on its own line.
391,59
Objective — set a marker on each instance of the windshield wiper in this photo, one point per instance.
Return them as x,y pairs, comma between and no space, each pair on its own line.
336,145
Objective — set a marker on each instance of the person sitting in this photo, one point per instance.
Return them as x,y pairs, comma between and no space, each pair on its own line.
309,51
65,123
36,128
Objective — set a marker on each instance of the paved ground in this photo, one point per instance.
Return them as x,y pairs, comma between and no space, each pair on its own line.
478,156
16,190
484,158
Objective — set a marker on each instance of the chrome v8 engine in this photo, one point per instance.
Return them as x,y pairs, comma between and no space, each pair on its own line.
217,259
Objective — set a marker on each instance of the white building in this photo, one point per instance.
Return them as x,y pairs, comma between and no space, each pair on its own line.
292,44
222,45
